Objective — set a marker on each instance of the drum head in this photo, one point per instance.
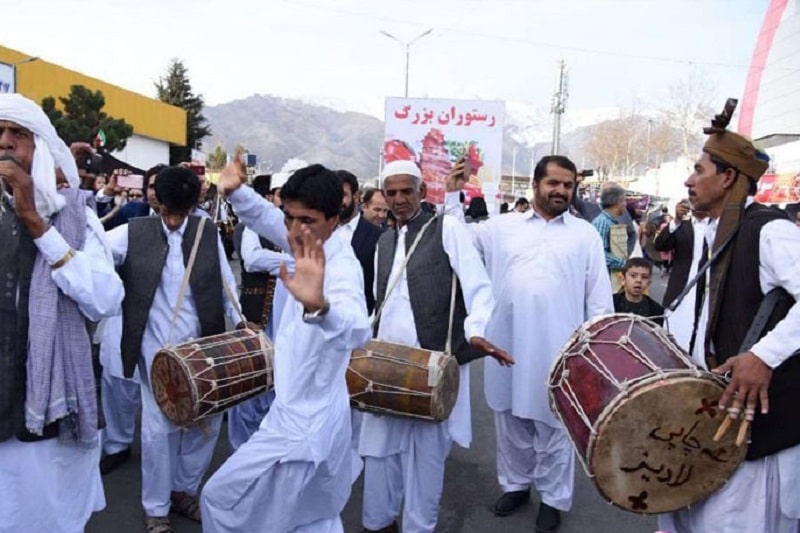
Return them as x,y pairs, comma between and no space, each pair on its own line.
172,389
653,451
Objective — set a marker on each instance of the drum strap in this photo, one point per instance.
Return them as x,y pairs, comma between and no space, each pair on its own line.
185,283
400,270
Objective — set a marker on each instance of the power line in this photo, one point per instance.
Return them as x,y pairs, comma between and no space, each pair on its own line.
539,44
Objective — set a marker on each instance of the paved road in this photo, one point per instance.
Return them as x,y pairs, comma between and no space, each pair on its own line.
470,489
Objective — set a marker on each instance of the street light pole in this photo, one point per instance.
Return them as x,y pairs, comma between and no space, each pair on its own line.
407,46
15,65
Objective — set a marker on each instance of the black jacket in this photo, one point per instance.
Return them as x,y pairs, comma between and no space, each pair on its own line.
365,239
681,244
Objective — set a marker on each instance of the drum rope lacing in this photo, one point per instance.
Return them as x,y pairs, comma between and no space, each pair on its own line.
390,359
584,337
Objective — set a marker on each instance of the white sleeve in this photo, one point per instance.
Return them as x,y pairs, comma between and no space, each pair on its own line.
599,298
258,259
475,284
260,215
779,266
89,277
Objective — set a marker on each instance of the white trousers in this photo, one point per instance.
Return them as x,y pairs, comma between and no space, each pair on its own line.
416,476
531,453
173,459
120,399
48,487
750,501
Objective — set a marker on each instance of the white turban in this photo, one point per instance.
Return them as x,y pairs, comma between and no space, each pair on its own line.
51,152
279,179
401,167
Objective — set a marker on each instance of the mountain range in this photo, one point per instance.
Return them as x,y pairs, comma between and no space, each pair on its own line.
277,129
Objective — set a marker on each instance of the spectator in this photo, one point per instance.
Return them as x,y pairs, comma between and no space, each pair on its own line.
476,212
637,275
612,232
374,206
522,205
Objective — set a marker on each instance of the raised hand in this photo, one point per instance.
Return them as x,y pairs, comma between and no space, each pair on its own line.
456,180
307,283
233,175
501,356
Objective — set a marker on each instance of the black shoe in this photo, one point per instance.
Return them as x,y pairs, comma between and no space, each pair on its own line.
548,519
392,528
509,502
110,462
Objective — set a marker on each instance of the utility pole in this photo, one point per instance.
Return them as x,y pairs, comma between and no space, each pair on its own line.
407,46
559,104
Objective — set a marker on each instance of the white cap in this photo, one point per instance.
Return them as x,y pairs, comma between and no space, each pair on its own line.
399,167
280,178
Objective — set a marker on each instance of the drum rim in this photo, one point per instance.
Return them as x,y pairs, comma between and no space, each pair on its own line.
603,418
575,335
170,353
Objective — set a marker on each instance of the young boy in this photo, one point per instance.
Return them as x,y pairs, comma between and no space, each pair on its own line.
632,297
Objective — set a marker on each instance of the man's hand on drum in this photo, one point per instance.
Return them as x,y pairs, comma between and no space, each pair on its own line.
233,175
309,271
501,356
748,387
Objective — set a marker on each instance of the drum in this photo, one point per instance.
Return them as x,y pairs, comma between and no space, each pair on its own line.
204,377
393,379
641,416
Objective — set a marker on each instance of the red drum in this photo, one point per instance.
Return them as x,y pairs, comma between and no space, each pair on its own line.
204,377
641,416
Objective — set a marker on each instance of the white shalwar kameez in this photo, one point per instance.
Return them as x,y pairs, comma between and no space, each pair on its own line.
120,396
45,485
294,473
548,278
762,495
681,322
404,458
173,458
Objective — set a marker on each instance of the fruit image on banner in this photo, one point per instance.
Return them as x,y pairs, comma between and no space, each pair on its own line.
435,134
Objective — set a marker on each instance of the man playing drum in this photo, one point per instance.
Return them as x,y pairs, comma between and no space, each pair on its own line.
294,474
152,253
763,257
548,273
404,458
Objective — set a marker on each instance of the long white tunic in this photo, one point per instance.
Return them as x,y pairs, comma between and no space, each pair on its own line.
38,479
387,435
309,421
548,278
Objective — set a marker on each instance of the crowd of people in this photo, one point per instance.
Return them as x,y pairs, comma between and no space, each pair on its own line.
100,277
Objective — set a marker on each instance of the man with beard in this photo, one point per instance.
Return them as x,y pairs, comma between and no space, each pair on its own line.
548,275
358,233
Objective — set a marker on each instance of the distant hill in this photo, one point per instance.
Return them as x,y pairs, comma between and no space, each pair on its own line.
277,129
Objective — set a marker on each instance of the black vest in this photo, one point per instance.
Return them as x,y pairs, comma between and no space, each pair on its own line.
741,297
258,288
429,277
141,275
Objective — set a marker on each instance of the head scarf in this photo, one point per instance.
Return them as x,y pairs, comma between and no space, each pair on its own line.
50,152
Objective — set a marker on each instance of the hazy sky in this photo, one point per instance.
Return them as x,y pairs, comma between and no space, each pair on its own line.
618,51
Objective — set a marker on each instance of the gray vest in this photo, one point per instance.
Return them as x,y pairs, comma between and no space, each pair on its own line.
141,275
16,266
429,277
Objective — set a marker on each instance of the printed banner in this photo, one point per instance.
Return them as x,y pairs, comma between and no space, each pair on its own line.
435,133
779,188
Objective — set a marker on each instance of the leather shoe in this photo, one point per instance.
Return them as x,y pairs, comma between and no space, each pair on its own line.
548,519
111,461
509,502
391,528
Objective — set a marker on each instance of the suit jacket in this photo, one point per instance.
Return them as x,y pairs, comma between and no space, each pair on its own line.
364,242
681,244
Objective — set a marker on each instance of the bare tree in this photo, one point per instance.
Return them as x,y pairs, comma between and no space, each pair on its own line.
687,106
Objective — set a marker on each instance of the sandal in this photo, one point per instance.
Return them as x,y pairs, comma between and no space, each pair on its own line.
158,524
185,505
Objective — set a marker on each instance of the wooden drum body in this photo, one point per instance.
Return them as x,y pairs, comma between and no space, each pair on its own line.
386,378
641,416
204,377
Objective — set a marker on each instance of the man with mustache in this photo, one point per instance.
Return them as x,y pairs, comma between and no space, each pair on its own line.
548,275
